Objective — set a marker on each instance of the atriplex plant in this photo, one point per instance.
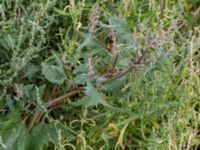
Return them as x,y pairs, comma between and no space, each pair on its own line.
99,74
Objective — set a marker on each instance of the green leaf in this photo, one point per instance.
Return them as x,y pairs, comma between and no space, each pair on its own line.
93,98
18,139
122,29
115,85
42,134
54,74
9,122
30,92
39,94
7,41
31,71
82,79
180,4
57,59
13,132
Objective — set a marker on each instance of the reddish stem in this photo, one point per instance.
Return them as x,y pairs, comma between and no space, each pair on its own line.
139,61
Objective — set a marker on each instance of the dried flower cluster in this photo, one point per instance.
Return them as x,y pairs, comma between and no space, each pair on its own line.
94,18
114,41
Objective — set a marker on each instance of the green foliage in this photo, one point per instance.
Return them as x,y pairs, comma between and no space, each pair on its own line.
42,134
93,97
14,132
54,73
99,74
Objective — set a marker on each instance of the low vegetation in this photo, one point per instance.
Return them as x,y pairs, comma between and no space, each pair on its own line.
104,74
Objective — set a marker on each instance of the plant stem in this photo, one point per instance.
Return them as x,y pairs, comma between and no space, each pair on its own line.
58,99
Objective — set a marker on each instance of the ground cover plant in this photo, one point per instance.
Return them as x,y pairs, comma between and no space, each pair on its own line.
104,74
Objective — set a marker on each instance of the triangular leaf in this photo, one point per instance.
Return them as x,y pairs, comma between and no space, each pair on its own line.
54,74
93,98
